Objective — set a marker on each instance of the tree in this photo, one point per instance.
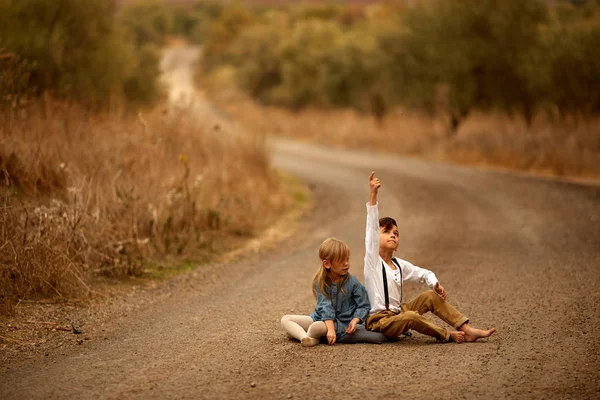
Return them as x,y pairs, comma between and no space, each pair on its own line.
75,49
304,55
256,53
74,46
518,69
148,21
14,80
476,51
575,71
223,32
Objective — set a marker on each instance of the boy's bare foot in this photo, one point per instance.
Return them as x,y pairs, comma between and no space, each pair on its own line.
472,334
457,336
309,341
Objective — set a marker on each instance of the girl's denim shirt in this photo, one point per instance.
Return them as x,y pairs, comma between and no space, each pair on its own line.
342,307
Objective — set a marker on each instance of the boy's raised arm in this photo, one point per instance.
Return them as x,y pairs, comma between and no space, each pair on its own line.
372,228
374,185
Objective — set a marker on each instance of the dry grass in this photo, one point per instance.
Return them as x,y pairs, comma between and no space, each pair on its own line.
271,3
567,148
86,195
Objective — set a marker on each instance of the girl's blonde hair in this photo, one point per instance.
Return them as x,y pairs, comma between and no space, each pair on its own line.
332,250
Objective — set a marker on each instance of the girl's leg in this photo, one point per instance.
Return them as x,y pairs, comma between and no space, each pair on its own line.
317,329
296,325
362,335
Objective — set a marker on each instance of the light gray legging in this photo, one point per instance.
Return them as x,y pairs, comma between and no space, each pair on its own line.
301,326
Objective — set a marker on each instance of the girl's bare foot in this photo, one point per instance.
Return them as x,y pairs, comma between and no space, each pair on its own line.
457,336
472,334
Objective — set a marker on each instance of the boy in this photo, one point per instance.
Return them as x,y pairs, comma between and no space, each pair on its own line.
384,276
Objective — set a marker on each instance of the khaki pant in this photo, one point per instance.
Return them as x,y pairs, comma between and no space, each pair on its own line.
393,325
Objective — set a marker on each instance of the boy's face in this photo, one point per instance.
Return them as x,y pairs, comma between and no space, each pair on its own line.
388,237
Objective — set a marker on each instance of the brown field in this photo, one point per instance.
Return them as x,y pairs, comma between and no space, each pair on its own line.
83,196
570,148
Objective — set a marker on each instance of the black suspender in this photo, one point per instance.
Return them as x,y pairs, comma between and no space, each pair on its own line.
385,285
401,278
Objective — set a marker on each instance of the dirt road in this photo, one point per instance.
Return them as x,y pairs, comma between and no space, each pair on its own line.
520,254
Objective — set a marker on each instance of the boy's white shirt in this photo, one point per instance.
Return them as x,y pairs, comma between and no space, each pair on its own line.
374,276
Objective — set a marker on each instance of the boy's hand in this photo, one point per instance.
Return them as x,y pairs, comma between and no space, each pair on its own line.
439,289
331,336
374,184
352,326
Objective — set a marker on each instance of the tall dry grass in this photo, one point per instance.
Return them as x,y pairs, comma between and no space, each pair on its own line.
85,195
557,148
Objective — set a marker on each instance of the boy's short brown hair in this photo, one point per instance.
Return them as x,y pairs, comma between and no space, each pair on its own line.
387,223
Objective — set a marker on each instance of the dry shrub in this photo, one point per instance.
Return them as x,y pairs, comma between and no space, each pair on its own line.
561,148
407,133
39,251
83,195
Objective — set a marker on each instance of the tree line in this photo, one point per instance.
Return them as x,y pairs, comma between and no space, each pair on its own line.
89,51
518,57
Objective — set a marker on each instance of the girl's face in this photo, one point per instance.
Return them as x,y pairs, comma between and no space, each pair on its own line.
337,269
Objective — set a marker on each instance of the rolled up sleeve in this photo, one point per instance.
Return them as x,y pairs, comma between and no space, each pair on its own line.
416,274
361,298
324,308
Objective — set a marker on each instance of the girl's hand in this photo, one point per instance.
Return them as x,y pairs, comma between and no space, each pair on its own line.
352,326
331,336
440,291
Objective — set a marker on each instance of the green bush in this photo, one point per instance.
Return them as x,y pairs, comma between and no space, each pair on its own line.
63,39
223,32
305,53
256,55
148,21
143,86
449,56
184,21
14,79
477,52
575,71
76,50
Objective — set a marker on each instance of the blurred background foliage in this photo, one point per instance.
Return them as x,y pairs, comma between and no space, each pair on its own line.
91,52
76,50
455,57
517,57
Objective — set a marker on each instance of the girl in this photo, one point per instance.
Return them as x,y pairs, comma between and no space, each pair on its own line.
342,303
